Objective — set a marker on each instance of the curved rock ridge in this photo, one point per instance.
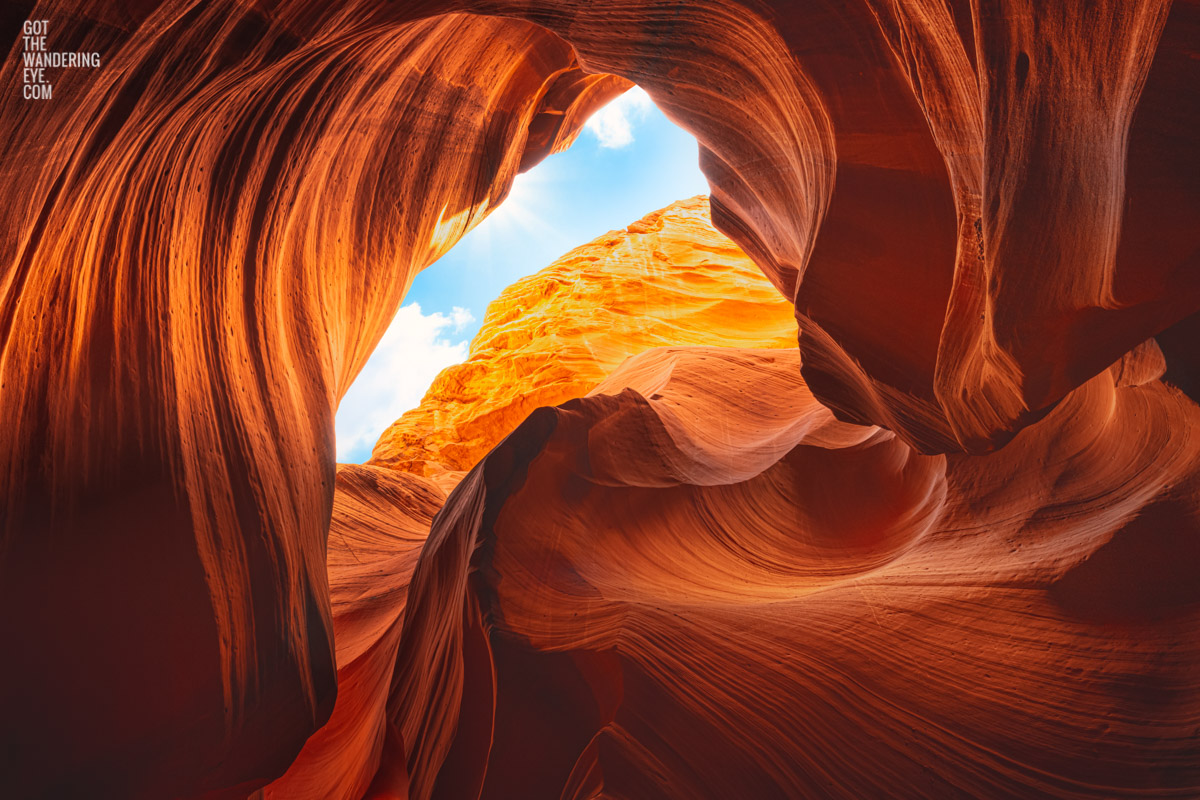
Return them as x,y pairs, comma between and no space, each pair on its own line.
668,278
380,522
600,613
976,209
204,239
975,206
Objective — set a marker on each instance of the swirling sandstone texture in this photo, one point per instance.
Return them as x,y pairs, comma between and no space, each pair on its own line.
205,238
548,338
668,278
784,605
956,557
380,521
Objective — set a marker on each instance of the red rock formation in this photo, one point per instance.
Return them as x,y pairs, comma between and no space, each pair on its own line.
805,608
204,240
950,191
380,521
975,209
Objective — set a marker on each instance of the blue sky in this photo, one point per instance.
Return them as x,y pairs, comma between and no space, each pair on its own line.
628,161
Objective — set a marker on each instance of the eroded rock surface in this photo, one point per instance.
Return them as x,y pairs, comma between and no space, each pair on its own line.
981,212
681,601
204,239
380,522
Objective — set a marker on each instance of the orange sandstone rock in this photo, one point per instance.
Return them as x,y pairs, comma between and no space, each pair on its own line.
976,209
380,522
202,242
668,278
727,592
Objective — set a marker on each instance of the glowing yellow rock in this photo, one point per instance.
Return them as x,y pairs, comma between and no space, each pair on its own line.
668,279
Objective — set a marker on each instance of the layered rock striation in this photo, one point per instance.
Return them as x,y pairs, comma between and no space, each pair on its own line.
698,583
204,239
380,522
982,214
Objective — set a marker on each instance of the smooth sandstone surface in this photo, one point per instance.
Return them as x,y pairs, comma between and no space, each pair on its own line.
801,607
956,556
667,279
380,521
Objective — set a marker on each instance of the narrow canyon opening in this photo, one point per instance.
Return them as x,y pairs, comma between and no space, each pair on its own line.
628,161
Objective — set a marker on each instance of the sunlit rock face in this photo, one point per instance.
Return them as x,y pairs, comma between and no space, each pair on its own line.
981,213
668,278
975,206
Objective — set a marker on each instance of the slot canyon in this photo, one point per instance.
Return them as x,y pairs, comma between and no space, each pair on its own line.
873,474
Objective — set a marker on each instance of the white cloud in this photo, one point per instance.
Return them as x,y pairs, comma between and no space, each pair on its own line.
415,348
613,124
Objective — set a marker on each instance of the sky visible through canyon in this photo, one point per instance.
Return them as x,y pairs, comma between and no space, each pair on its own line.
628,161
